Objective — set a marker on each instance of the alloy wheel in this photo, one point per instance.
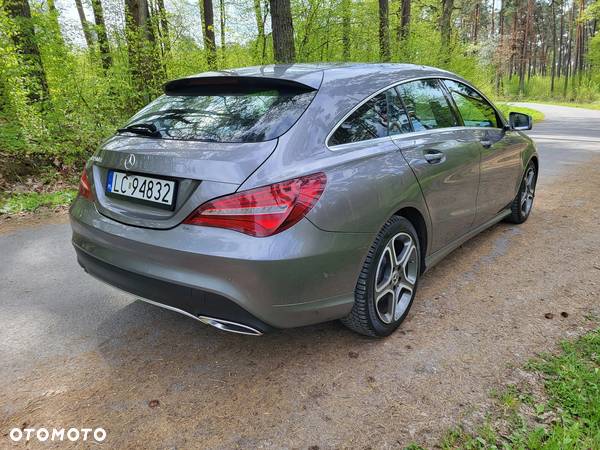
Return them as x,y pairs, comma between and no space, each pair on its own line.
395,278
528,191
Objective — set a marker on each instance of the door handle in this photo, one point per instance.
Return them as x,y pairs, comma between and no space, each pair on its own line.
434,156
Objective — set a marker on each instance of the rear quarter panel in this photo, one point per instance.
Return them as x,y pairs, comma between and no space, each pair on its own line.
366,184
365,188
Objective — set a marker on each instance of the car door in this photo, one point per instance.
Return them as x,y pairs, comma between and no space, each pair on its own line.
500,153
444,157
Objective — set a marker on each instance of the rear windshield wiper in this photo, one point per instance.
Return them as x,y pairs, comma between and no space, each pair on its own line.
147,129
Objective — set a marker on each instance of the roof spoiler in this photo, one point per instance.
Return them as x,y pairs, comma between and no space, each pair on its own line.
232,84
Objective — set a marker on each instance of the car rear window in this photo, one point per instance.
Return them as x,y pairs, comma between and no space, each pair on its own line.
248,115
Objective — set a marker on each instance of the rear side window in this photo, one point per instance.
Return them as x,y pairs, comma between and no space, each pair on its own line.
380,116
474,109
235,116
427,106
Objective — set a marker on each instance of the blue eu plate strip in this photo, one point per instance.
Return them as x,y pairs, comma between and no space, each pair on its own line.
109,182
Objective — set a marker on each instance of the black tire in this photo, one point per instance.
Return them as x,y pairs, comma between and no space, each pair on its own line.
518,212
364,318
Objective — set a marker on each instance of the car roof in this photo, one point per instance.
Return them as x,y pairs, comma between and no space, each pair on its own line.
312,74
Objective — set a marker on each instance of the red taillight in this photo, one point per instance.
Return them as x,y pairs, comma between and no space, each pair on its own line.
263,211
84,186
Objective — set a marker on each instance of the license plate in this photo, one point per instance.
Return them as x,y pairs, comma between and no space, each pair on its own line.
156,191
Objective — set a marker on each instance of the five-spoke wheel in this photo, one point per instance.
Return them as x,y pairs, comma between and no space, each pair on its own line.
529,191
395,277
523,203
388,281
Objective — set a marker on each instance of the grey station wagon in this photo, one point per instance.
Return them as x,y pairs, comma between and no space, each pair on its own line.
281,196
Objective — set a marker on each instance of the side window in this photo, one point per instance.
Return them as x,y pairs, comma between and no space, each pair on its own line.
399,122
474,109
381,116
367,122
427,106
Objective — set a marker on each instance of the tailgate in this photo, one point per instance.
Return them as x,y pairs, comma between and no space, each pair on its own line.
200,170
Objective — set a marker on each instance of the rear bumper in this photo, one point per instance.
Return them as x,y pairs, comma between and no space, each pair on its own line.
183,299
299,277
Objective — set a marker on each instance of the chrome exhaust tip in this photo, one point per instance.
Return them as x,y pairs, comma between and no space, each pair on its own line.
221,324
232,327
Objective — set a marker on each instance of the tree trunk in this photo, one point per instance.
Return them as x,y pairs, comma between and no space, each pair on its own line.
553,69
208,31
26,46
144,63
579,45
493,15
567,68
560,41
54,13
446,24
283,31
164,27
87,34
500,63
260,26
513,46
222,22
346,30
404,21
101,33
476,22
525,47
501,19
384,31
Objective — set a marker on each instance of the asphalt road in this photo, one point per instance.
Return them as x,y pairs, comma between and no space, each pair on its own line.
567,136
62,331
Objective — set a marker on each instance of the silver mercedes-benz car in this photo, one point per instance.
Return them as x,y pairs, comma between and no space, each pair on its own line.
281,196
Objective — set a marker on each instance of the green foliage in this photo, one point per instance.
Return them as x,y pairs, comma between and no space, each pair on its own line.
594,56
32,201
87,101
539,88
505,108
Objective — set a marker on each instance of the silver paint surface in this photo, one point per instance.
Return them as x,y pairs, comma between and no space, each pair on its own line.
306,274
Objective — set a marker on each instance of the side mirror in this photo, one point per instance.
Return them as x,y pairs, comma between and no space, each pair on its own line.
520,121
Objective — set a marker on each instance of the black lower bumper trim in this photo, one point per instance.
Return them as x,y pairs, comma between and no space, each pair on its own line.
193,301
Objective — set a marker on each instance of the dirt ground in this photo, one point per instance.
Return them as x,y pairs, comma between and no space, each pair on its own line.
12,223
478,315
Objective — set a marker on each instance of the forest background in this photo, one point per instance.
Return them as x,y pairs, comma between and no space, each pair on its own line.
73,71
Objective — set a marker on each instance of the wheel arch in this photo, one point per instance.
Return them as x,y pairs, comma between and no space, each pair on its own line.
416,218
534,160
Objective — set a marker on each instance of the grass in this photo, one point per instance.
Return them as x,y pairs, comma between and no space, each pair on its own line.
538,116
565,416
32,201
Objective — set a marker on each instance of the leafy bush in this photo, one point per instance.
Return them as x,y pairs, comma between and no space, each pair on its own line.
32,201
